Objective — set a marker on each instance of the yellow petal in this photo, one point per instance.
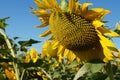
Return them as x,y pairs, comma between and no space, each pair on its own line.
112,34
61,50
77,8
101,11
71,56
94,13
119,54
42,25
10,75
51,38
108,32
41,12
46,2
51,51
34,55
77,59
72,5
109,44
60,57
40,4
43,4
66,52
55,44
97,23
106,51
27,58
106,60
84,7
44,50
46,33
53,3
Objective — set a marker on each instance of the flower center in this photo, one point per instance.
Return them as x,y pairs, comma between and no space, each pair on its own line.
73,31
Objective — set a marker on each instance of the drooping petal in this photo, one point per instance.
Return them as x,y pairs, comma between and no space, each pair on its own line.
71,56
108,32
61,50
72,5
95,13
66,52
41,13
55,44
112,34
47,4
46,33
108,43
101,11
97,23
108,54
42,25
48,50
53,3
84,7
40,4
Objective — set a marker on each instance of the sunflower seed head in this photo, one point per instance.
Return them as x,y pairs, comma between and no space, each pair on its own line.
73,31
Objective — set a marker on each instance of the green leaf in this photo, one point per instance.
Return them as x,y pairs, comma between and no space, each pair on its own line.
2,77
28,42
4,60
2,23
2,41
117,31
15,38
98,76
3,51
31,64
88,68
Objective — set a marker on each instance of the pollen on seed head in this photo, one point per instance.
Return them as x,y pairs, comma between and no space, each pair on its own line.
73,31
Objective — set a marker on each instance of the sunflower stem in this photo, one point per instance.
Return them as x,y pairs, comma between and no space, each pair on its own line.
15,65
110,71
46,73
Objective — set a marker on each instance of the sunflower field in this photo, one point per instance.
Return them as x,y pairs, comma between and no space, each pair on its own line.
80,46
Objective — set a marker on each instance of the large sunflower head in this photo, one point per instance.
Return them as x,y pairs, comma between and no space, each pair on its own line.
77,28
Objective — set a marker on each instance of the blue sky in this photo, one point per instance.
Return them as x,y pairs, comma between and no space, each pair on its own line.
22,22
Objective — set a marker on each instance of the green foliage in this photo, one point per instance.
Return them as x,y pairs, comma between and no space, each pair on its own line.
118,31
3,25
2,41
2,77
28,43
89,69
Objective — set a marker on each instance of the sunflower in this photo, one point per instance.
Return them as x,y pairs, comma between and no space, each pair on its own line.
78,29
31,55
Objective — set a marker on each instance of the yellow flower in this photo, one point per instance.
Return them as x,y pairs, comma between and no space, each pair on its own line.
34,55
48,50
10,74
77,29
27,58
39,73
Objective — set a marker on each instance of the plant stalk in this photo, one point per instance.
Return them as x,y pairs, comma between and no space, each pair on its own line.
15,65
